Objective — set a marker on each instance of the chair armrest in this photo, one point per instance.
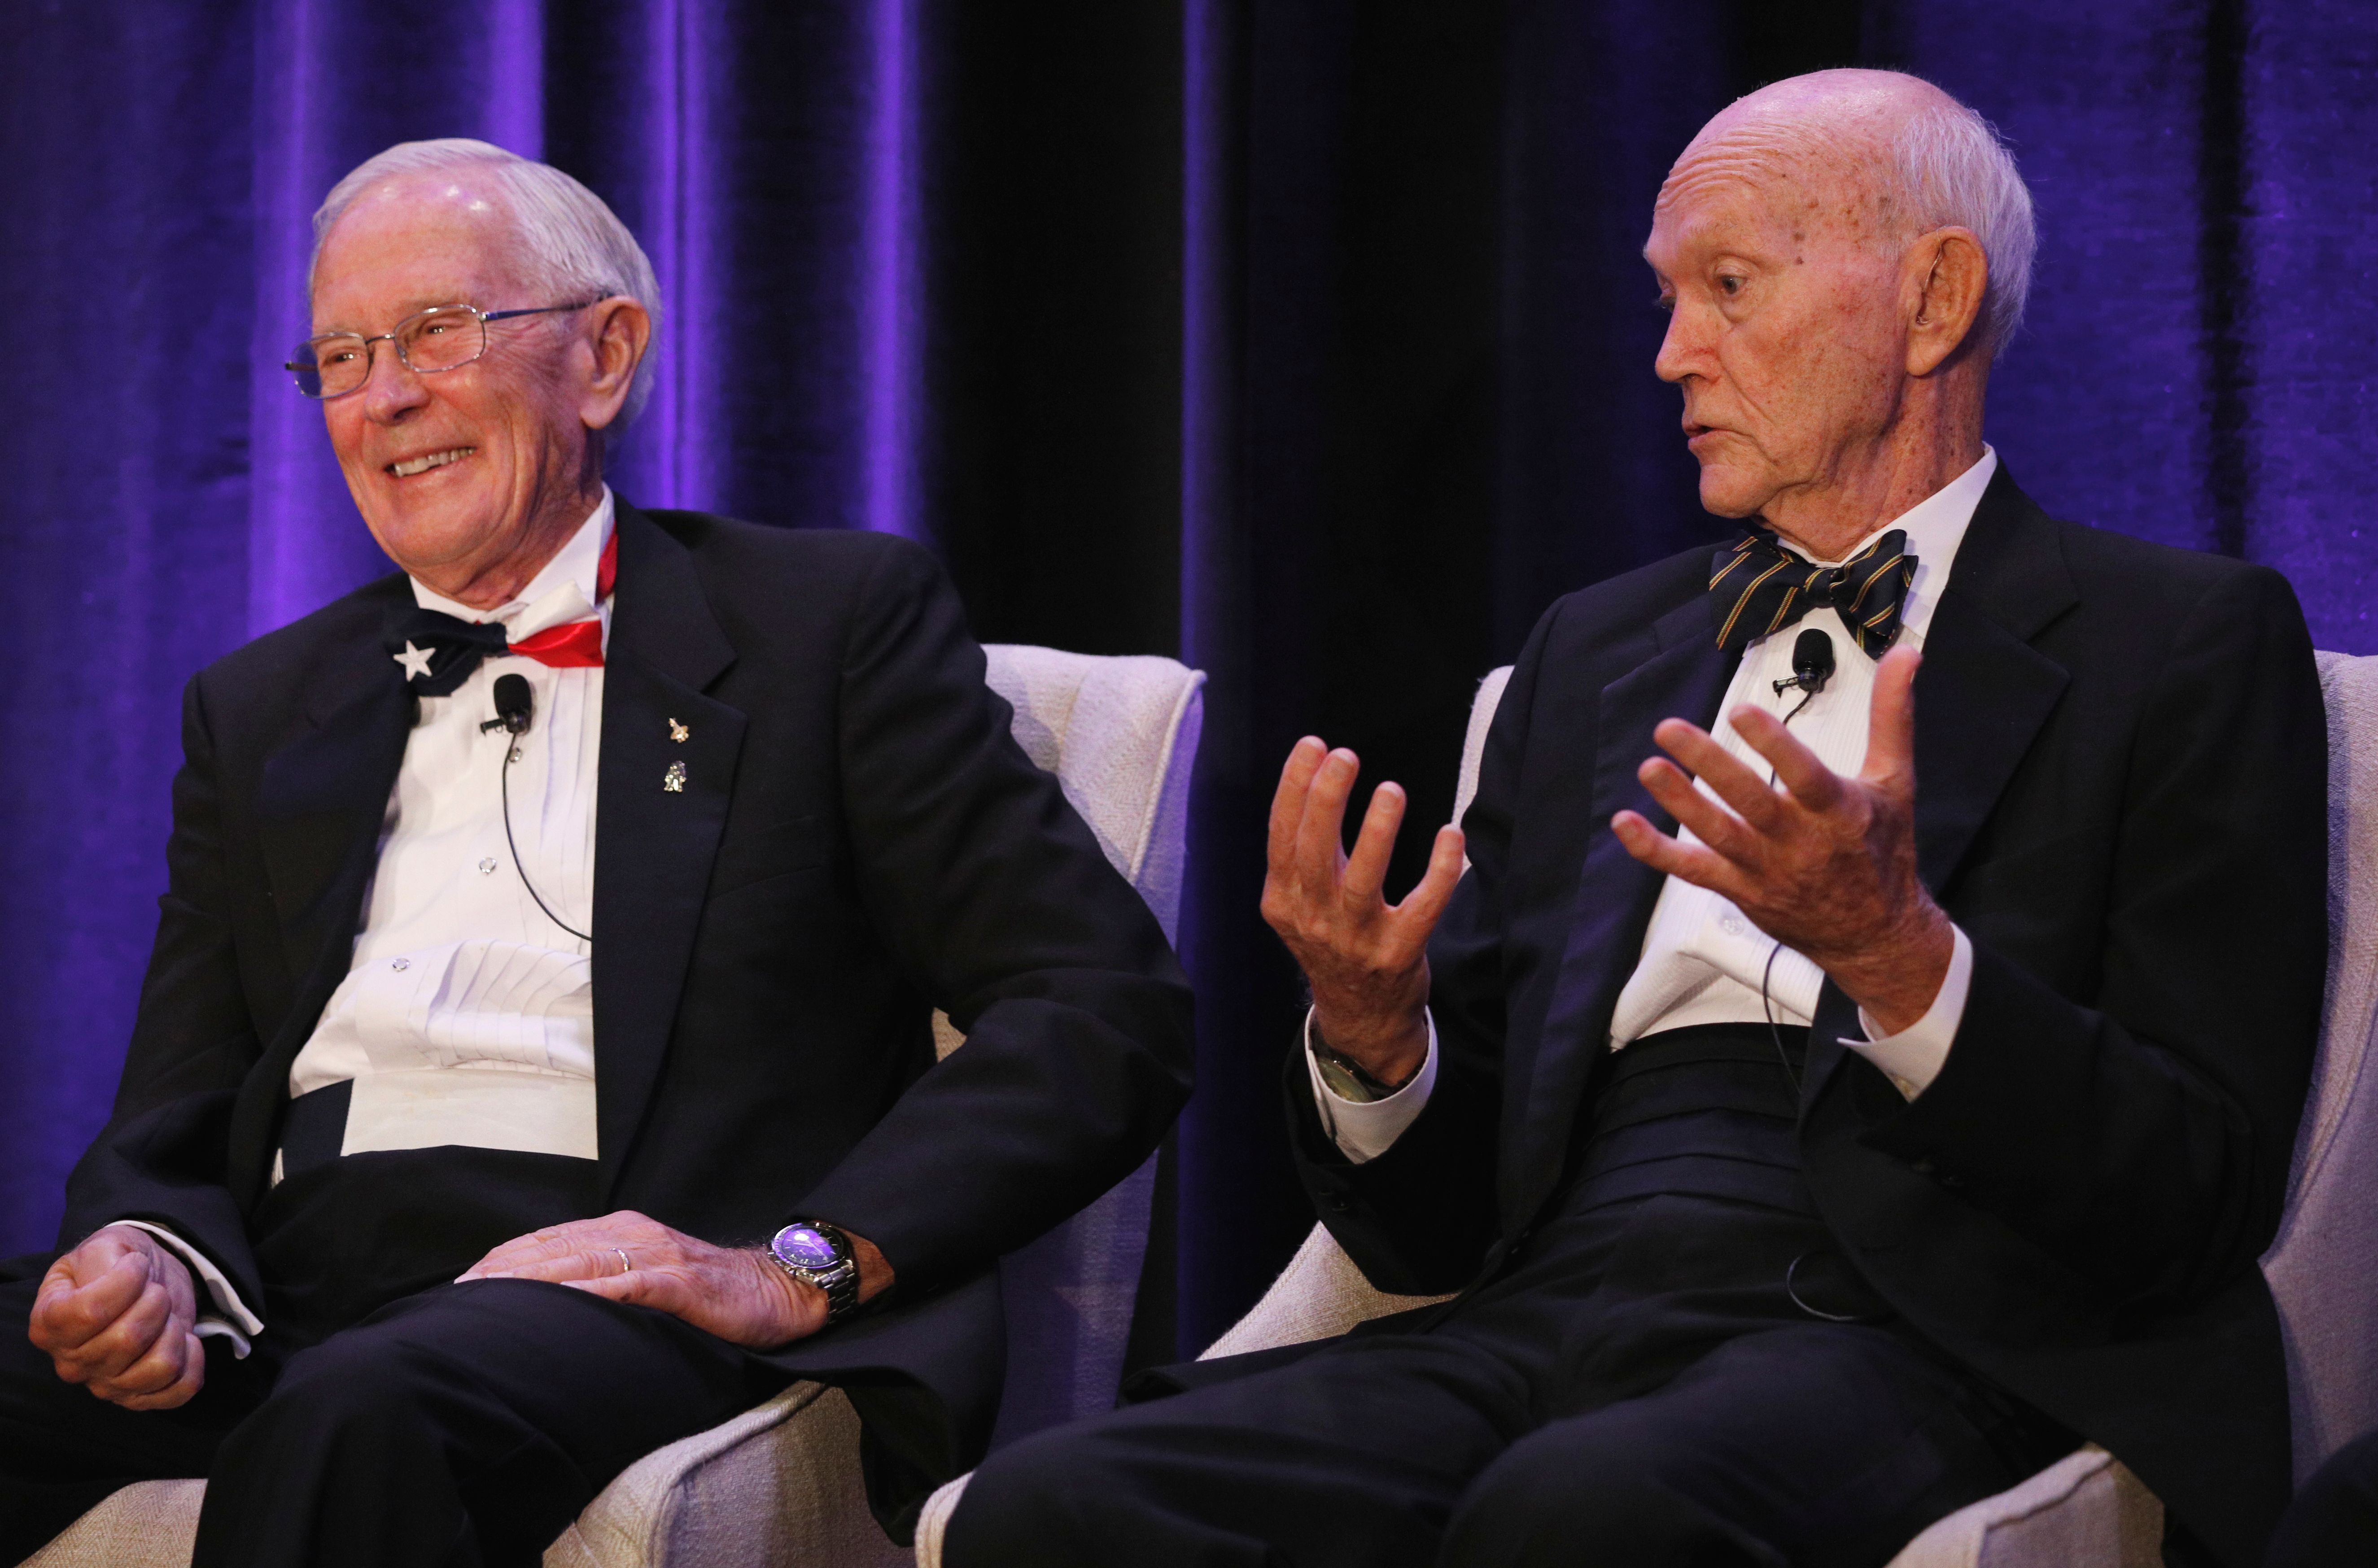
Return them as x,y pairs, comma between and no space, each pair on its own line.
1319,1295
2084,1511
777,1486
146,1525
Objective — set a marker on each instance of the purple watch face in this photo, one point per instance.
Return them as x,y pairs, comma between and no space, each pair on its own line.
805,1247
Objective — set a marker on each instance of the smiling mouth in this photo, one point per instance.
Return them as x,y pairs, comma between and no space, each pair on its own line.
411,466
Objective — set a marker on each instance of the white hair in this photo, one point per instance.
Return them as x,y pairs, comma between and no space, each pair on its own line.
1954,168
576,245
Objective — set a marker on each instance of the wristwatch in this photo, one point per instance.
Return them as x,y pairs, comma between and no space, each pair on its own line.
817,1253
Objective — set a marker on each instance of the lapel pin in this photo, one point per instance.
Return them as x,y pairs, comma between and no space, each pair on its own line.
417,662
679,733
674,780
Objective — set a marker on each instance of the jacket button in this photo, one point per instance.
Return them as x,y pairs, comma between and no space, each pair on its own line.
1335,1203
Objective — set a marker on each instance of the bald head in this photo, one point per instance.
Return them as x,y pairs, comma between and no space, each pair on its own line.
1889,157
1842,255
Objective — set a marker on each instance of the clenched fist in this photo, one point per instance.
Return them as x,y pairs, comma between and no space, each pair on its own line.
118,1315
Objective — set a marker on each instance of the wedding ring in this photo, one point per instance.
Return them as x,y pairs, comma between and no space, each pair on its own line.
624,1267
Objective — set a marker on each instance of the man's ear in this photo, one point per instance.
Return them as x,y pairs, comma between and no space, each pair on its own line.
1950,274
621,330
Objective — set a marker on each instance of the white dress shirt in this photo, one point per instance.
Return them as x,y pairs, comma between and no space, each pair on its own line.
467,1015
1703,962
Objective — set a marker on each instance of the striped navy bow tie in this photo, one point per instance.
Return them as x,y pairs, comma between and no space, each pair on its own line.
1760,588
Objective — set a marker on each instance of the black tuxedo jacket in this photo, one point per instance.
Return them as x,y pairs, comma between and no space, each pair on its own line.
857,840
2120,798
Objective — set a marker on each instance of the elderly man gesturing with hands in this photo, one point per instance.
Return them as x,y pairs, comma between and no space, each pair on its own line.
1861,1058
1825,864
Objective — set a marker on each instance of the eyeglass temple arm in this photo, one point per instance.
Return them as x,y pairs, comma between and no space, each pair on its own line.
535,310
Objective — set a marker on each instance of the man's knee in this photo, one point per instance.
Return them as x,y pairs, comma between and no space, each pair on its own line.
1022,1505
1583,1490
355,1384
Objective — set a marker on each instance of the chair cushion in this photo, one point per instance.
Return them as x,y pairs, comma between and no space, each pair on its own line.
147,1524
2084,1511
777,1487
2323,1266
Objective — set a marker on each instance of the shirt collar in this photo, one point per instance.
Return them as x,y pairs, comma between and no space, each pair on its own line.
1936,527
562,593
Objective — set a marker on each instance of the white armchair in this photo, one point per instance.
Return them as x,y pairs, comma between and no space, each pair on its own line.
2087,1510
778,1486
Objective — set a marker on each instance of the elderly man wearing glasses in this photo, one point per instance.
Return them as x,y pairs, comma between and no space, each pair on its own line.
422,1213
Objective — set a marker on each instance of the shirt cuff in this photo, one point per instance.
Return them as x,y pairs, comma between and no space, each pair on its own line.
1363,1130
230,1319
1913,1056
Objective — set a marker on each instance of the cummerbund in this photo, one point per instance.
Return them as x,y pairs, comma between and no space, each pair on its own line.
1710,1111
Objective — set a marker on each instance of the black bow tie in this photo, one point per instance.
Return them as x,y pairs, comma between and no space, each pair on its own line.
452,647
1760,588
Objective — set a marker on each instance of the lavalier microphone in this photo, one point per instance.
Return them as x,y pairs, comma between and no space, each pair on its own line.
1812,665
515,703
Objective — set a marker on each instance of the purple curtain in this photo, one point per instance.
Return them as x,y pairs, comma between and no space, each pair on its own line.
1308,343
173,496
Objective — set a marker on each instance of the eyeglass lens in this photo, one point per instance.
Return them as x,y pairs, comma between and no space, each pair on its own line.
446,338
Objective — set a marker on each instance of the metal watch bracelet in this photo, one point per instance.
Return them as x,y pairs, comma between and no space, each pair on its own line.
820,1255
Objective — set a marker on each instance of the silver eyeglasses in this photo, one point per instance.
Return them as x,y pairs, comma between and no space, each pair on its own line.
445,337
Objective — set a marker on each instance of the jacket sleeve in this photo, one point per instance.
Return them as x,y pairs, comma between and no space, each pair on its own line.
1419,1218
994,893
162,1155
2144,1137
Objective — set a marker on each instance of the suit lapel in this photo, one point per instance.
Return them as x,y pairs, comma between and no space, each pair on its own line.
1683,673
1981,696
321,799
660,809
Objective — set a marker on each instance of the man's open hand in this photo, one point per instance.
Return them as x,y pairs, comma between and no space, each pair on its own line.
118,1315
1823,864
737,1293
1365,959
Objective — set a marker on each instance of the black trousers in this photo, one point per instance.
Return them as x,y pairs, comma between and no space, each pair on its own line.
1677,1369
438,1424
2333,1519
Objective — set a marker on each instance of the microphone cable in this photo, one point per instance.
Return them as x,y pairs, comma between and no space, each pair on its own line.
1812,666
515,706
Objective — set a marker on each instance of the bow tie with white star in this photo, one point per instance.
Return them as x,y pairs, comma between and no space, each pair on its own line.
438,651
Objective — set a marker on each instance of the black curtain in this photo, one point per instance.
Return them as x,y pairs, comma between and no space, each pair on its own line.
1398,239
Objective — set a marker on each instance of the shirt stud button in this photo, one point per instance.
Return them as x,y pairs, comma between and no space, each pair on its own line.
399,964
487,867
